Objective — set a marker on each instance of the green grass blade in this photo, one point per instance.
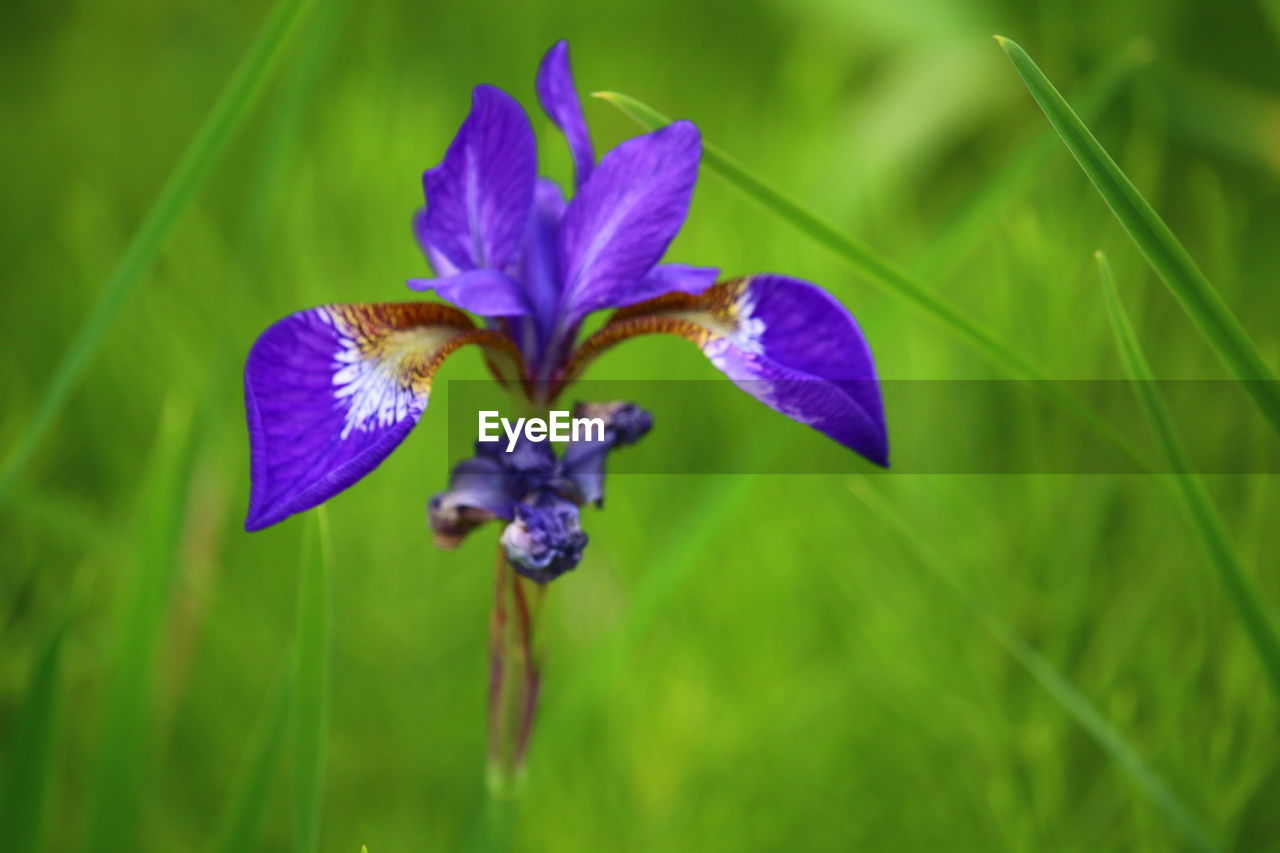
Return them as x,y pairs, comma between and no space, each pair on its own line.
204,151
973,221
1209,527
247,803
311,684
874,267
1154,239
1049,677
23,807
284,120
1078,706
145,597
1271,11
883,273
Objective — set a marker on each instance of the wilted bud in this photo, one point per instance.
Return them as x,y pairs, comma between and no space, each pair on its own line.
479,491
584,461
628,422
545,540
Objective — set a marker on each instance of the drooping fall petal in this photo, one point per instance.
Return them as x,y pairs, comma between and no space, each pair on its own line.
331,391
784,341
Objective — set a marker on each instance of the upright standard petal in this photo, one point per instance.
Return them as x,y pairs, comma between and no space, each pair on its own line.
441,264
621,222
330,392
784,341
479,197
541,273
559,97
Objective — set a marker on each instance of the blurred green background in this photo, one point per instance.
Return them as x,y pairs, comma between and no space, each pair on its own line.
740,663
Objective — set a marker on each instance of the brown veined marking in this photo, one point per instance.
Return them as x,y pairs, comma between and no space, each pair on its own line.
366,322
699,319
494,343
419,336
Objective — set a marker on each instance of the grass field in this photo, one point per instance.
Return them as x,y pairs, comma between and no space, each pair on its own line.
952,661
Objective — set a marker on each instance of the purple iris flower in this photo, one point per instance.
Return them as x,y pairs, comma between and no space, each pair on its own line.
331,391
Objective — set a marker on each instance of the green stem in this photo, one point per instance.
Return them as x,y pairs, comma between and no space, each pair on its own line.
499,818
514,677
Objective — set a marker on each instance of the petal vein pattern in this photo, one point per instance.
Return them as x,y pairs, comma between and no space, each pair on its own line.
331,391
380,379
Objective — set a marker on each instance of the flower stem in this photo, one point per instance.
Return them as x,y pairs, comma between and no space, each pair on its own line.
514,677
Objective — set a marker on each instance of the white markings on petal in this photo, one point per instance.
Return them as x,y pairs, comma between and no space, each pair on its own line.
736,348
370,385
716,348
739,334
748,331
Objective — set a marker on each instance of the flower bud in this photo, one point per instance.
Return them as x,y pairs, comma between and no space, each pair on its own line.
545,540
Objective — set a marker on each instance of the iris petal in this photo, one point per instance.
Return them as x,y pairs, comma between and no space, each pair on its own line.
486,292
441,264
479,197
784,341
331,391
622,220
559,97
541,273
670,278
